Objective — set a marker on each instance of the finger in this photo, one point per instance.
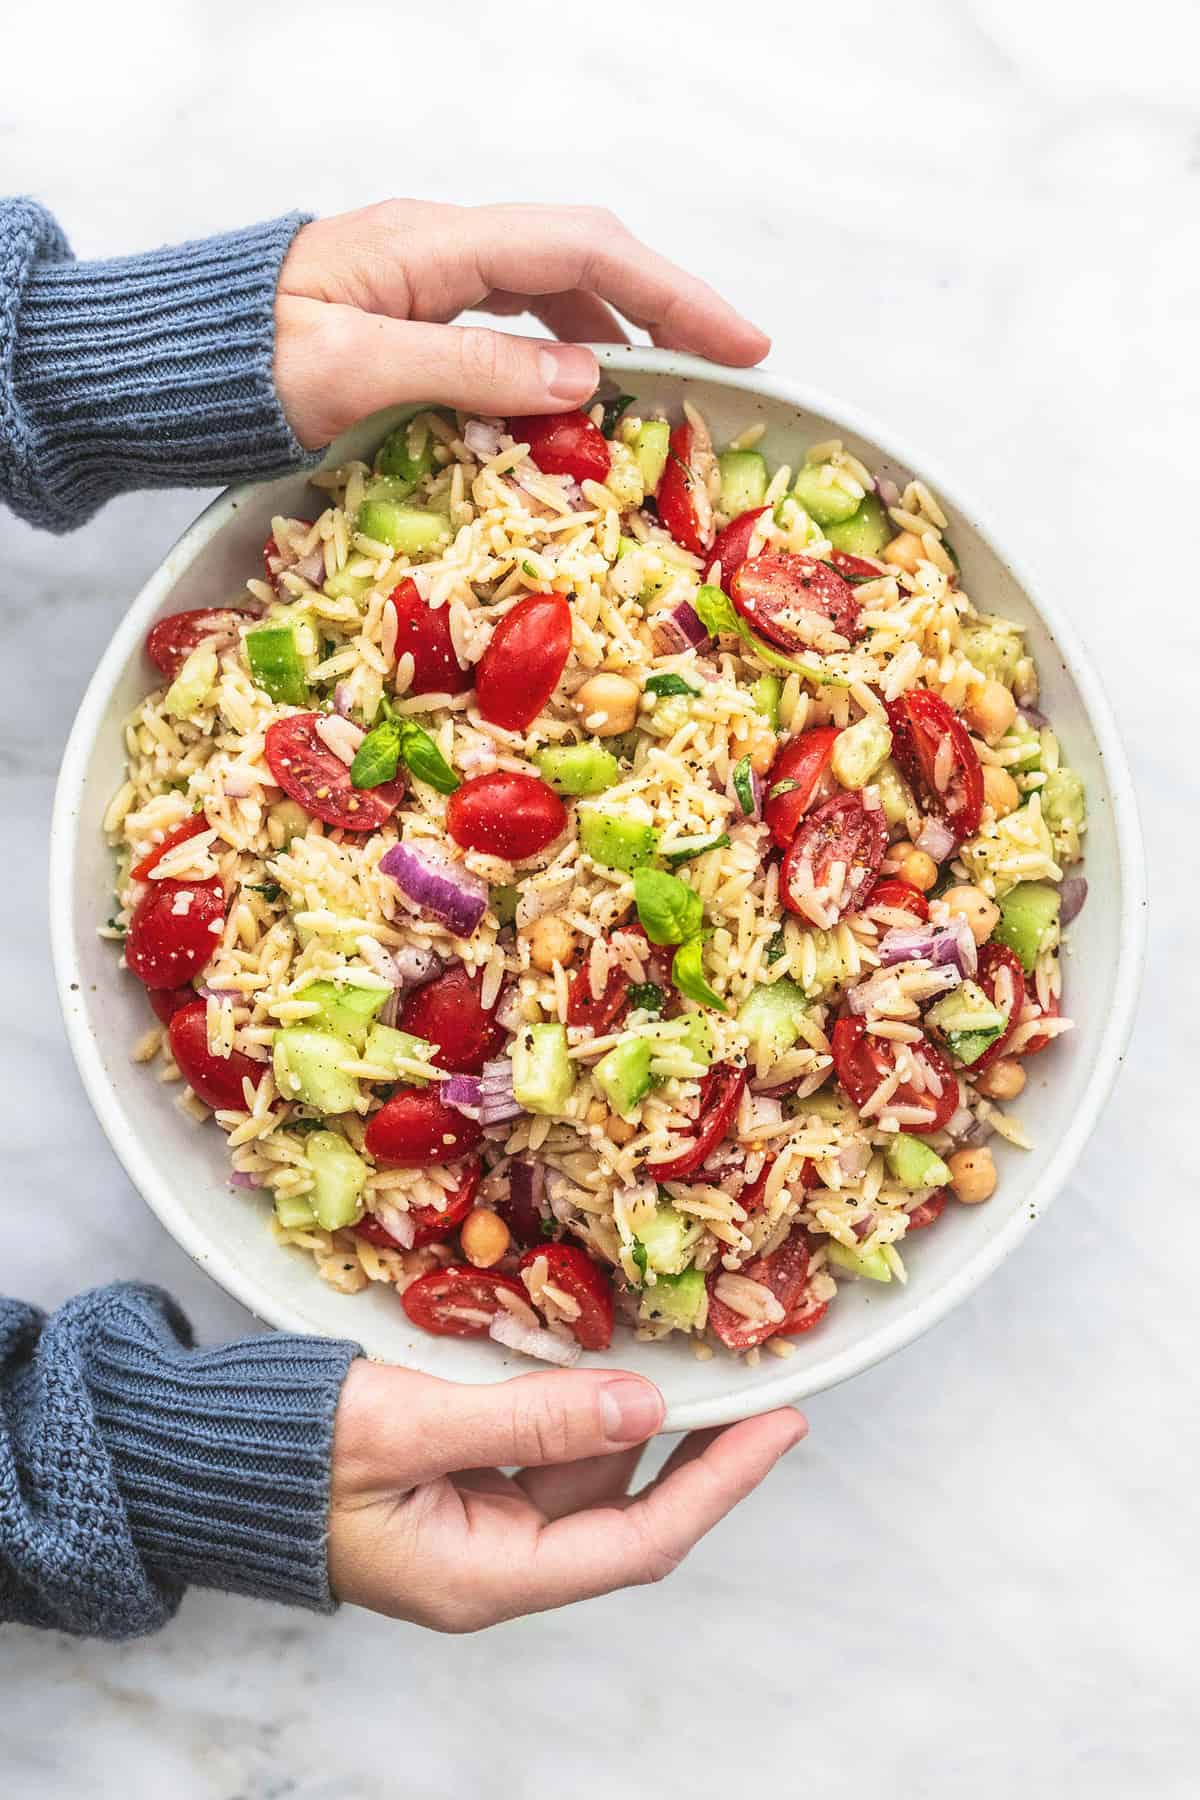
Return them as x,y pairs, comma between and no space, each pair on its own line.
568,1488
576,318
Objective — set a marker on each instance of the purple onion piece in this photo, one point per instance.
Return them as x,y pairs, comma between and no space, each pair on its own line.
531,1340
887,490
1035,716
464,1093
1073,893
437,887
936,839
686,624
497,1103
241,1178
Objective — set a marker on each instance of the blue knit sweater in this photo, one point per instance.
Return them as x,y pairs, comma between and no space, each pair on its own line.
131,1463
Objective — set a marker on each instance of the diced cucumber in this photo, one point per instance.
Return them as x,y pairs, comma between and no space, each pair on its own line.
291,818
344,942
387,1048
577,768
697,1037
543,1073
276,665
616,841
650,446
766,693
306,1069
193,684
994,645
867,532
675,1043
344,586
339,1176
503,902
294,1211
1028,740
1028,920
407,529
913,1164
1062,798
407,452
623,1076
669,1239
968,1021
870,1265
895,795
860,751
345,1009
743,481
675,1299
624,745
824,500
770,1016
827,1105
388,487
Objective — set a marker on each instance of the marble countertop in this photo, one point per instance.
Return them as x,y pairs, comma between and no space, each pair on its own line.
978,221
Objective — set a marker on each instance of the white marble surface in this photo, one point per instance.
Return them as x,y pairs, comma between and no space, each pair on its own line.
978,221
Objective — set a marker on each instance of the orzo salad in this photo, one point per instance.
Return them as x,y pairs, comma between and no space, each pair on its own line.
592,877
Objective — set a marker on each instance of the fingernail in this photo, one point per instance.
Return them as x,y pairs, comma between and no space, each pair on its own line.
568,371
799,1434
631,1410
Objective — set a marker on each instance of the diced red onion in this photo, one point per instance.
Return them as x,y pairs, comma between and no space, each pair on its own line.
1073,893
531,1340
481,440
241,1178
765,1109
938,945
887,490
341,699
862,1228
723,1166
680,629
1035,716
438,888
497,1103
853,1159
977,1132
861,999
936,839
238,784
398,1224
464,1093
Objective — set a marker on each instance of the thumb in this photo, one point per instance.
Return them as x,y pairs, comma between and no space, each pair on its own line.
335,365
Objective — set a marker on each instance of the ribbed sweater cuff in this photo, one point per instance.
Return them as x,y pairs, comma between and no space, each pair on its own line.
146,371
222,1456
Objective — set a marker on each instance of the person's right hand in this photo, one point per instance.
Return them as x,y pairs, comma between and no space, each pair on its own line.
424,1527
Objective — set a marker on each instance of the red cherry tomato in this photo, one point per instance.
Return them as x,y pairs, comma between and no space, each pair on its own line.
447,1012
564,444
807,1313
732,545
899,896
993,958
309,772
520,668
683,503
505,814
720,1097
920,723
793,600
416,1130
857,568
792,781
172,640
429,1225
752,1197
458,1301
583,1008
175,928
217,1079
1044,1039
166,1002
842,831
784,1272
861,1061
928,1210
518,1208
573,1270
423,632
189,829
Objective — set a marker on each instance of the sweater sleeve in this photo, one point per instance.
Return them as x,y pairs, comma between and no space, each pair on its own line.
133,1464
143,371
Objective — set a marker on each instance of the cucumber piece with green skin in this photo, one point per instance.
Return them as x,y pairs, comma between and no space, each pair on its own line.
624,745
871,1265
695,1039
1062,798
276,665
867,532
1029,744
968,1022
860,751
543,1073
1028,920
669,1239
743,481
895,795
766,693
616,841
346,1010
344,586
623,1075
294,1211
577,768
193,684
995,647
503,902
388,487
410,530
650,445
675,1299
825,501
913,1164
306,1069
770,1016
406,453
339,1175
291,818
387,1048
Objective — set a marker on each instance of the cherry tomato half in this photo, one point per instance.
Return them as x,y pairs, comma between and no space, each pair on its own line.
804,1315
720,1096
792,781
189,829
927,1211
732,545
417,1130
857,568
447,1012
505,814
920,723
683,503
309,772
993,958
166,1002
894,895
573,1270
174,930
861,1061
423,632
458,1301
583,1007
172,640
520,668
564,444
429,1224
784,1272
217,1079
842,831
794,600
1044,1039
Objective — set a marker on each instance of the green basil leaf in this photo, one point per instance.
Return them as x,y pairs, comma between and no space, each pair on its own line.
270,890
687,972
675,859
670,910
612,413
638,1253
716,610
425,759
718,614
645,996
776,947
666,685
743,785
781,787
377,757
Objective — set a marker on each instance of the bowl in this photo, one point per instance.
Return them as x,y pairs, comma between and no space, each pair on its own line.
182,1170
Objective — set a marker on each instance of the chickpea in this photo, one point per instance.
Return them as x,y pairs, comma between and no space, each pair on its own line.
973,905
990,710
484,1237
549,941
608,704
913,865
972,1176
755,739
905,552
1003,1081
1000,790
620,1130
597,1112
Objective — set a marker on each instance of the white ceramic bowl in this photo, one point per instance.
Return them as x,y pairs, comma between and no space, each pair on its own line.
182,1170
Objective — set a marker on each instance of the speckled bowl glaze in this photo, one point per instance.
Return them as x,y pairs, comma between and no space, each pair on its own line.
182,1170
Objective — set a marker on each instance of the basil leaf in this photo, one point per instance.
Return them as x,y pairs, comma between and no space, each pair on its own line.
716,610
665,685
270,890
425,759
670,911
646,996
687,972
743,785
674,859
638,1252
377,757
718,614
776,947
612,413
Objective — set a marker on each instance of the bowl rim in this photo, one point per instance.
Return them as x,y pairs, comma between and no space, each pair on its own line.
790,1384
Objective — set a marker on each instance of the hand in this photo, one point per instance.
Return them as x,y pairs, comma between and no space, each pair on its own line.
364,299
420,1530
